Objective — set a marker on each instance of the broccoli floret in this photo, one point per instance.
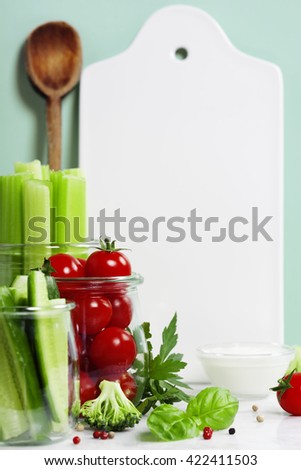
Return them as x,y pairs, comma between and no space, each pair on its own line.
111,411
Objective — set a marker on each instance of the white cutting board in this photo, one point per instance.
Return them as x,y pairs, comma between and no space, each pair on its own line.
161,136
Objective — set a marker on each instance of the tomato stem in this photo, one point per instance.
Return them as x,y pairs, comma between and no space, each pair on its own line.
283,384
107,245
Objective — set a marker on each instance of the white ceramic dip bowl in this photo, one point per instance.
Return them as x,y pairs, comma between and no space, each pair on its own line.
246,369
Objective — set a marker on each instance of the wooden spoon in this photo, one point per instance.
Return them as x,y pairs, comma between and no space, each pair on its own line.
53,61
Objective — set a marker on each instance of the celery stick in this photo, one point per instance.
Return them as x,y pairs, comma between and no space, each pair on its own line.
45,172
33,167
71,206
11,225
74,172
36,206
55,178
37,200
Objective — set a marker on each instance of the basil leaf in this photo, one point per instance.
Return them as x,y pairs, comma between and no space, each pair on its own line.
214,407
169,423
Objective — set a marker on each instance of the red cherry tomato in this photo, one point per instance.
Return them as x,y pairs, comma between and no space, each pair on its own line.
66,265
88,387
122,311
107,262
82,262
92,314
113,350
128,385
289,393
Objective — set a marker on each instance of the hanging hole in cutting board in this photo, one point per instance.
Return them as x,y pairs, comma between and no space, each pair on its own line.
181,53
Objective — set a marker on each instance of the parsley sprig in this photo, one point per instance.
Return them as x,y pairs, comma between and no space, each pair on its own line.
158,374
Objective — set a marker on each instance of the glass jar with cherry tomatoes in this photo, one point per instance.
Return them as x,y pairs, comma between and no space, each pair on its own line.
109,335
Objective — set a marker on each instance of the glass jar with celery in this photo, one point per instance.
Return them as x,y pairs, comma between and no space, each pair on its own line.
39,210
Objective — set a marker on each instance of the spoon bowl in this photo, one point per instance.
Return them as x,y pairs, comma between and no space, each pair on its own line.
53,62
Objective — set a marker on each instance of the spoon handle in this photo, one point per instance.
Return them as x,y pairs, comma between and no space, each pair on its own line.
54,131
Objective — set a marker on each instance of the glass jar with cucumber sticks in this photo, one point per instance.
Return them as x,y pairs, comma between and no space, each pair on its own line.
39,381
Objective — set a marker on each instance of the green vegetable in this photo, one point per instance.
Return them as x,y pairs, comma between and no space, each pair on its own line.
37,204
42,205
71,207
21,402
51,344
170,424
34,167
295,363
52,288
19,290
161,382
11,207
214,407
111,410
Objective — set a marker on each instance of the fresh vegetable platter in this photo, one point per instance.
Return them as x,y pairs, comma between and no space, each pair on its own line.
167,406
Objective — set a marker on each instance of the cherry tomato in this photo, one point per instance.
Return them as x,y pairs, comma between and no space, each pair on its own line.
113,350
82,262
121,310
126,381
66,265
88,387
128,385
92,314
289,393
107,261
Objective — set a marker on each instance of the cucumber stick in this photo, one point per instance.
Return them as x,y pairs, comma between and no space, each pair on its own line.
19,289
21,402
51,345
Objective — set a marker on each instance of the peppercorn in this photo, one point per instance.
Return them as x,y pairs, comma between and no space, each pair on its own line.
79,427
76,440
207,432
260,418
232,431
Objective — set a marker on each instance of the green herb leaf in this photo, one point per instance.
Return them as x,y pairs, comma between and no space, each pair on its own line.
164,370
214,407
160,373
170,424
169,338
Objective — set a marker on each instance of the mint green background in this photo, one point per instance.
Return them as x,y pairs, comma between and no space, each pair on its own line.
270,29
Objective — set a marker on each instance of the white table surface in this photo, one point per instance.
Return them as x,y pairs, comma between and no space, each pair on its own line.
278,431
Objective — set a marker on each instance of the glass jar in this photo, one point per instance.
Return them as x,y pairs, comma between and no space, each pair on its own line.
18,259
109,336
39,381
